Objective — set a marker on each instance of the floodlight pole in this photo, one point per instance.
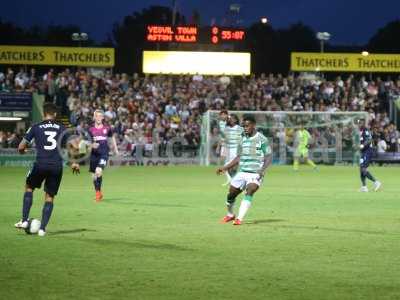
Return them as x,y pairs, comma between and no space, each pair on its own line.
322,37
80,37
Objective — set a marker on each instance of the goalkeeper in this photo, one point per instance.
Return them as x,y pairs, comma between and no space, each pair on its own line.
302,140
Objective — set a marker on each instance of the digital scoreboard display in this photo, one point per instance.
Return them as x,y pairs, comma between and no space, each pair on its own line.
178,34
226,34
193,34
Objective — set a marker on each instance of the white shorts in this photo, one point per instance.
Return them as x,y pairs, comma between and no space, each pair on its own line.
223,151
230,155
242,179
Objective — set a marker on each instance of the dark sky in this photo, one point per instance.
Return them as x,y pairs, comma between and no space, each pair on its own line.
349,21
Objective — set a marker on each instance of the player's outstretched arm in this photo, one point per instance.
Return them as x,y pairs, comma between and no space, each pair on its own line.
72,147
114,141
22,147
229,166
266,164
364,143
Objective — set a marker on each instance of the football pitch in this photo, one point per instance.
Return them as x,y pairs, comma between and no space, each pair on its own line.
156,235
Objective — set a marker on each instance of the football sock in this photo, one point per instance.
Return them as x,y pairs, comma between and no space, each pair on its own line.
370,177
97,183
244,206
230,206
296,164
46,214
230,203
26,205
362,179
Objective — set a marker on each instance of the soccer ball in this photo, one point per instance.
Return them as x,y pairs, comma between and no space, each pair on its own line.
33,226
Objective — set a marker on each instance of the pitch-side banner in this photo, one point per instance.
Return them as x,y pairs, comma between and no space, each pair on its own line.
188,62
57,56
345,62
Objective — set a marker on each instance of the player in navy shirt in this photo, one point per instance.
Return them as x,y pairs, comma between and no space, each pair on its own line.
100,133
48,136
366,152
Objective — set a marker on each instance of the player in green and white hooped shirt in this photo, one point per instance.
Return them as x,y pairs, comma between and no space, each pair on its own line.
254,156
232,137
222,121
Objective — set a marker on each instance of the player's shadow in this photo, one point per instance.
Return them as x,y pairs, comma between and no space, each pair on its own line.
319,228
71,231
161,205
132,202
141,244
305,227
263,221
119,200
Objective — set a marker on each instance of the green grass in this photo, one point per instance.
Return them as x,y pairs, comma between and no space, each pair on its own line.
309,235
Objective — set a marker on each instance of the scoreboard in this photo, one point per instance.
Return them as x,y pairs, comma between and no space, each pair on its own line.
193,34
226,34
178,34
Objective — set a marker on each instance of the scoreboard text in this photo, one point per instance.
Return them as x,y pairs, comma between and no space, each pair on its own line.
192,34
179,34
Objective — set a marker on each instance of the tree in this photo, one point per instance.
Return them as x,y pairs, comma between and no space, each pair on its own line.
297,38
54,35
10,34
271,48
259,40
386,39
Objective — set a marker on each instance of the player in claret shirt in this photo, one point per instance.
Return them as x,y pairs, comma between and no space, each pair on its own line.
100,133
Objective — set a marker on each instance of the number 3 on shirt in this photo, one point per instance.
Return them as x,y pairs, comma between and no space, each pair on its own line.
50,139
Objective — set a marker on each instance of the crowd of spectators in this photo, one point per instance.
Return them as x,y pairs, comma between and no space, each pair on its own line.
155,109
9,139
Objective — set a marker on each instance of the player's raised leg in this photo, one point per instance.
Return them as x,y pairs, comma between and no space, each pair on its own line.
310,162
97,182
251,188
51,186
365,174
27,203
26,207
97,164
230,203
33,180
363,177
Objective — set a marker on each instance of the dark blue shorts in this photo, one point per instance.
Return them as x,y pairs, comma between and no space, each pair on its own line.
97,161
366,158
50,174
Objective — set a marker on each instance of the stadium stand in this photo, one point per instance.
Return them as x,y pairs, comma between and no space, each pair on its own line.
155,109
